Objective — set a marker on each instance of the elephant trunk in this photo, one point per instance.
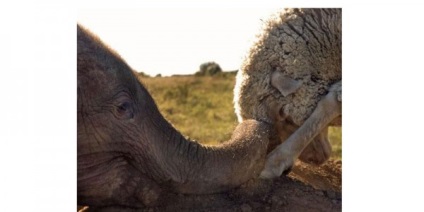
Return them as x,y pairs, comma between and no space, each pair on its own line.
213,169
190,167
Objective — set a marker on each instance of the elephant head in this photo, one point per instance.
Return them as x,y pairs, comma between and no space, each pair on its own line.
128,154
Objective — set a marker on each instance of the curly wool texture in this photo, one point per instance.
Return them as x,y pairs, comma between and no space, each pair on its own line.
303,44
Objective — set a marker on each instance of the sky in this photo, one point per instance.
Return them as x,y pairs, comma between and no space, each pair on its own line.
177,39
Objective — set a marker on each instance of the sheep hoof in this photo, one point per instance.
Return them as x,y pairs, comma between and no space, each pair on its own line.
287,171
279,161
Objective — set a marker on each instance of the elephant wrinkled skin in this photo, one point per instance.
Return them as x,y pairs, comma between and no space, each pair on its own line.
129,155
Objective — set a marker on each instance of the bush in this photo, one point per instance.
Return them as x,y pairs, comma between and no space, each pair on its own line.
209,69
142,74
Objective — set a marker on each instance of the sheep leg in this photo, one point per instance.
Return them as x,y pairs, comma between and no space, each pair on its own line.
316,153
283,157
318,150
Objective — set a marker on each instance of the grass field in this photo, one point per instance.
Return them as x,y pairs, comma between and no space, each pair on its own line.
202,107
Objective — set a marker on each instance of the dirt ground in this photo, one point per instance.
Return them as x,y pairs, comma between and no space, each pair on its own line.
306,188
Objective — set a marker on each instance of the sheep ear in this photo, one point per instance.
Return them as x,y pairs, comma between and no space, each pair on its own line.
284,84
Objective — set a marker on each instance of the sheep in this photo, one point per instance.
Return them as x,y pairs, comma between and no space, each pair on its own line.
288,71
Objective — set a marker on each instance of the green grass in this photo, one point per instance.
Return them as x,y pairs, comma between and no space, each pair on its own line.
335,137
201,108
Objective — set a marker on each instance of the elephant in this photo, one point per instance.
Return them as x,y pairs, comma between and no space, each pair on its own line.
128,154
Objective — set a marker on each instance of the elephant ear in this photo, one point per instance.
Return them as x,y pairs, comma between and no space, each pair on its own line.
284,84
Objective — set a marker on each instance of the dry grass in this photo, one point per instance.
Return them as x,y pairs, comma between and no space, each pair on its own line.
202,107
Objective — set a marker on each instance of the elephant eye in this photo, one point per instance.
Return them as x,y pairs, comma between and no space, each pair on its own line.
124,110
124,107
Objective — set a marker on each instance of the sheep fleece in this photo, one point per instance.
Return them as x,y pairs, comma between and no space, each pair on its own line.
303,44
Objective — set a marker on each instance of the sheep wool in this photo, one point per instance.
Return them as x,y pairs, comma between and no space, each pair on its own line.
303,45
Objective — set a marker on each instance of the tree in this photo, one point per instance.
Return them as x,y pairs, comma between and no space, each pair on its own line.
209,69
